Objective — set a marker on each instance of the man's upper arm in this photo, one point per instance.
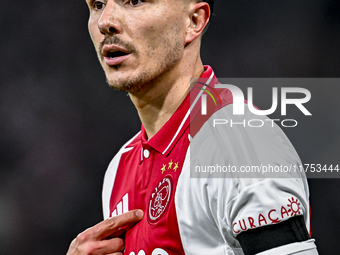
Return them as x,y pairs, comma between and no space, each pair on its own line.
264,212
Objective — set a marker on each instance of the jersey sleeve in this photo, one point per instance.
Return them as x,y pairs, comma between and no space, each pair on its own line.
266,186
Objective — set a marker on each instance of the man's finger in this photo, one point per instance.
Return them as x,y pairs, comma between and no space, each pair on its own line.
113,225
119,233
111,246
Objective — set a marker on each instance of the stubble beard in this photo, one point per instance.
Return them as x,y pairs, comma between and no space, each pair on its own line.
146,79
131,84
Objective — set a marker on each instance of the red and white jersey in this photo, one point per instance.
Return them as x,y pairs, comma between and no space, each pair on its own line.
184,215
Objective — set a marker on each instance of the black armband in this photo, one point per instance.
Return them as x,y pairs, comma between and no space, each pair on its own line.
264,238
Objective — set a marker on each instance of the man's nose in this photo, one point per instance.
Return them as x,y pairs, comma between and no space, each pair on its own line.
108,22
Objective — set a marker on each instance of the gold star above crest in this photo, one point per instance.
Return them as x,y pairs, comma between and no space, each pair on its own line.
163,168
170,164
176,166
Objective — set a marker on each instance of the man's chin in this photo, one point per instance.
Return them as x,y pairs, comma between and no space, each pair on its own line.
119,81
131,84
119,86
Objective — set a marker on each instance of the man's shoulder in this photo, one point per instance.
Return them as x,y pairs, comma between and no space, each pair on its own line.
242,140
224,124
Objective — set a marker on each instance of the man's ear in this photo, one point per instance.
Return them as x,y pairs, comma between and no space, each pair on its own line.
199,14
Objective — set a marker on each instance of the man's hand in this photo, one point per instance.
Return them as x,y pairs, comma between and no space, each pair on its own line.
105,237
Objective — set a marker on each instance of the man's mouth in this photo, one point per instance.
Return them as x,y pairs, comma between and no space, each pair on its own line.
116,54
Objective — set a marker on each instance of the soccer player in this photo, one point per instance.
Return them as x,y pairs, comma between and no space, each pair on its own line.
151,49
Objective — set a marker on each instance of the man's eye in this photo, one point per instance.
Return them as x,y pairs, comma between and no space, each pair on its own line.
98,5
135,2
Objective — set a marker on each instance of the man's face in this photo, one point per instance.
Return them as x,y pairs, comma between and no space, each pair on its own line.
137,41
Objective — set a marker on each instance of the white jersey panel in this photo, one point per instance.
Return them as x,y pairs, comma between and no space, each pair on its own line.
198,202
212,211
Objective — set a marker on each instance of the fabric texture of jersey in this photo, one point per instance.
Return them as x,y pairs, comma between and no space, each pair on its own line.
204,215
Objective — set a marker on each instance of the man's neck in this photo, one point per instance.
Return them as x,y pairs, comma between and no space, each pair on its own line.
156,105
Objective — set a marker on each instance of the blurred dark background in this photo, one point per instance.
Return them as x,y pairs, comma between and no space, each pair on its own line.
60,124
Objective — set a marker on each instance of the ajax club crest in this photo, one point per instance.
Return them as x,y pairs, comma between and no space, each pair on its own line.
160,199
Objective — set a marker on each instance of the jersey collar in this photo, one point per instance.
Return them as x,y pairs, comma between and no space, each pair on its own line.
165,139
